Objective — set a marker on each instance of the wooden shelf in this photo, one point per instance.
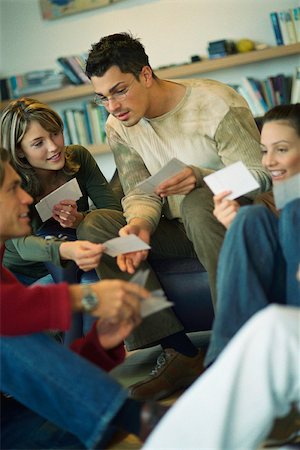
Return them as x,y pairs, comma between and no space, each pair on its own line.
185,70
239,59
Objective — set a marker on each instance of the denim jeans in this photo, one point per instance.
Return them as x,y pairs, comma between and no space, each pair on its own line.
257,266
68,402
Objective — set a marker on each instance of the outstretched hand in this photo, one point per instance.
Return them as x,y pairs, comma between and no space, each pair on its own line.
86,254
129,262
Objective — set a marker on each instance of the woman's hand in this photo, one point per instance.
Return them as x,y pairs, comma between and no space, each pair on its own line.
65,212
86,254
225,210
180,184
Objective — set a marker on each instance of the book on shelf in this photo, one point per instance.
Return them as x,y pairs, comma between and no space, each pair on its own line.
31,83
295,95
68,71
295,15
93,118
262,95
81,127
253,90
276,28
71,126
287,27
73,66
252,105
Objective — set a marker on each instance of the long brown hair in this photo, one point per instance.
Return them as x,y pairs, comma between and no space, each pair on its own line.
14,122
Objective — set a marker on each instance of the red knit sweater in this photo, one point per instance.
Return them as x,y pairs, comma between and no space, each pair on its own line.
27,310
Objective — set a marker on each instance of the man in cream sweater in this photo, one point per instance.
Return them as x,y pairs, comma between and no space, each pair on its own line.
206,125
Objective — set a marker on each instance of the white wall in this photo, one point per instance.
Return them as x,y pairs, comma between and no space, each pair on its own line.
171,30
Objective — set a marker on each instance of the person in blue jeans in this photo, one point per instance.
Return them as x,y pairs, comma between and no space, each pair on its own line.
260,255
50,396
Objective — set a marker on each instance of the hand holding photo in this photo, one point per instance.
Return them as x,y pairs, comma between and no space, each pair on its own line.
235,178
124,244
68,191
173,167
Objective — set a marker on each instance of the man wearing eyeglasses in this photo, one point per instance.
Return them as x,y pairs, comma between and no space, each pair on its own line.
205,124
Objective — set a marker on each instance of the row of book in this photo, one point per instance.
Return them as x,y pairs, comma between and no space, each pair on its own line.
262,95
86,125
74,68
219,49
286,26
31,83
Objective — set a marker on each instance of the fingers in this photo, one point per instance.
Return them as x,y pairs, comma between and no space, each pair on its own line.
129,262
65,212
181,183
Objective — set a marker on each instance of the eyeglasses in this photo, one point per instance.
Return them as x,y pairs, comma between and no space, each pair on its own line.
119,96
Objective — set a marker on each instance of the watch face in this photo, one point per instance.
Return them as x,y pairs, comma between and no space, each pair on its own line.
89,300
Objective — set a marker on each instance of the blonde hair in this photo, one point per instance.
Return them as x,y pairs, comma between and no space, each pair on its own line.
14,123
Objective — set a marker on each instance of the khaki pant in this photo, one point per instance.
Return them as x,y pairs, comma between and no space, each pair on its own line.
199,235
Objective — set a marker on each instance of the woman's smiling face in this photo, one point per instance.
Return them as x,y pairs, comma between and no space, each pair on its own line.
43,149
280,145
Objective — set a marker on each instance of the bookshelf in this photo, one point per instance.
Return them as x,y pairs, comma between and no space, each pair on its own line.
185,70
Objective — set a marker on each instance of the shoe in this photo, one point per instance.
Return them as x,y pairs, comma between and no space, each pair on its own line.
173,371
151,414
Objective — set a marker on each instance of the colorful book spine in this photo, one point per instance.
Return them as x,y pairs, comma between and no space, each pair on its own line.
70,120
68,71
283,23
295,94
295,14
256,96
276,28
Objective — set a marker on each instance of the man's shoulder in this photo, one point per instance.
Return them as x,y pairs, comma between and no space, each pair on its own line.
206,91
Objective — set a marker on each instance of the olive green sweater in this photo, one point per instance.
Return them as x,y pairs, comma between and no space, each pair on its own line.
25,255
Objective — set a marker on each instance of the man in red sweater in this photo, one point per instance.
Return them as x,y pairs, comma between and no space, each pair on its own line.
44,382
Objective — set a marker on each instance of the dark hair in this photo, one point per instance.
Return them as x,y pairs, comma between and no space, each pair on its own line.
121,50
288,113
4,158
14,122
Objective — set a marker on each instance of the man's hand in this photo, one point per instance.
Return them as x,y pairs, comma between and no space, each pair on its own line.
180,184
65,212
225,210
111,336
129,262
118,301
86,254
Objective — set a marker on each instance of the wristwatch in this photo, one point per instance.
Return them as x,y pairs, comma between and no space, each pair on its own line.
89,300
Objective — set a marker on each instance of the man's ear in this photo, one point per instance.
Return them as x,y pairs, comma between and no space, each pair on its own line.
147,75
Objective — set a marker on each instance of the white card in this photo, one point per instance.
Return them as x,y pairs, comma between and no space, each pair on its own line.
286,191
156,302
140,277
68,191
235,178
173,167
124,244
